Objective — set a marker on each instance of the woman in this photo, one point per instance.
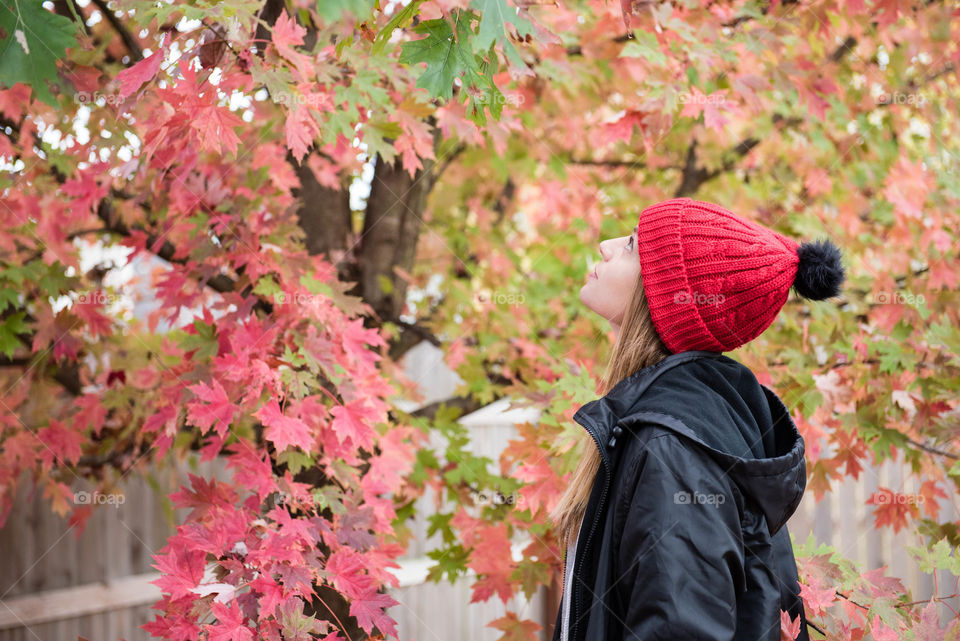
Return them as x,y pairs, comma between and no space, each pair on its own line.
674,518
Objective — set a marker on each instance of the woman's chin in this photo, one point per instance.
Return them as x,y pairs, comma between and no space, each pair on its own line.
585,296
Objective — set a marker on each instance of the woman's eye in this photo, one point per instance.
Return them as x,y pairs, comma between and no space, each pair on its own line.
630,243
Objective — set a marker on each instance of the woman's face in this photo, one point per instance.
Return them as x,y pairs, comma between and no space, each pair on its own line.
610,285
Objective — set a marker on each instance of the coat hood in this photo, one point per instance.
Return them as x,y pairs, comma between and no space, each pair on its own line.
718,403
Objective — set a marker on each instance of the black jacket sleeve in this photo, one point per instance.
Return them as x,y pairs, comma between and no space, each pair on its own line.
679,563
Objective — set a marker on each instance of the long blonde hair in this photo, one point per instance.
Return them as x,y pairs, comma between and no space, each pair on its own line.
637,346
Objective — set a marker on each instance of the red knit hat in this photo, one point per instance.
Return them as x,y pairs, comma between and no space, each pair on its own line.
715,281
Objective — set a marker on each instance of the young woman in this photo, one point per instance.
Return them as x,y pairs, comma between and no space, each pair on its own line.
674,518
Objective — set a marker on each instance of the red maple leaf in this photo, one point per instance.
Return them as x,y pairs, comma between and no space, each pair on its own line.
369,610
89,309
90,411
883,586
881,631
355,340
204,495
175,623
61,444
14,100
164,417
212,407
132,78
893,508
251,469
492,559
300,129
906,188
229,625
789,629
287,34
816,598
271,594
820,472
850,450
622,129
928,628
353,420
346,568
943,275
710,105
889,12
215,128
284,431
387,470
928,497
87,188
181,570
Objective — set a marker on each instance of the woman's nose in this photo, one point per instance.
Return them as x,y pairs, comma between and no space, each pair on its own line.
602,253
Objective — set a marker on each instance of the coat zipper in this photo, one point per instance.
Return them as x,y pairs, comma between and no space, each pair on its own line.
574,601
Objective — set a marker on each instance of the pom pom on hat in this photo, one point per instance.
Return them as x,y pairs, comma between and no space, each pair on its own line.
820,272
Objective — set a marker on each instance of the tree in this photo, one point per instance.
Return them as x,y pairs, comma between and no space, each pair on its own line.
224,138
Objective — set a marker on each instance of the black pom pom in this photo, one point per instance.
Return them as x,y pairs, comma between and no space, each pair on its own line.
820,272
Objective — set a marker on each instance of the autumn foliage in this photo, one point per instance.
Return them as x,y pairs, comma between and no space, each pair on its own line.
513,135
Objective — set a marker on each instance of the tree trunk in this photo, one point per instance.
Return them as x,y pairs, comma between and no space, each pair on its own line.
391,227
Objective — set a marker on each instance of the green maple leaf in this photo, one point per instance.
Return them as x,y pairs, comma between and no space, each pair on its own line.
644,45
32,39
204,340
8,297
376,131
938,557
531,575
494,16
400,19
451,561
448,56
10,329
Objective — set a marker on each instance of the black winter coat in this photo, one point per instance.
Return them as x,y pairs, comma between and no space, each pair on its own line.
684,536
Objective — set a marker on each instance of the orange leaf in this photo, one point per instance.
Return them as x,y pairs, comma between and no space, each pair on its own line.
893,508
514,629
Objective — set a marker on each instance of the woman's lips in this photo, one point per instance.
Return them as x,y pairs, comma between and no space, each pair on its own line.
593,274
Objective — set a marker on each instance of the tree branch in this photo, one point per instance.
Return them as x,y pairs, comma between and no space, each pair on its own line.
577,50
931,450
845,47
693,177
449,158
128,40
219,282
